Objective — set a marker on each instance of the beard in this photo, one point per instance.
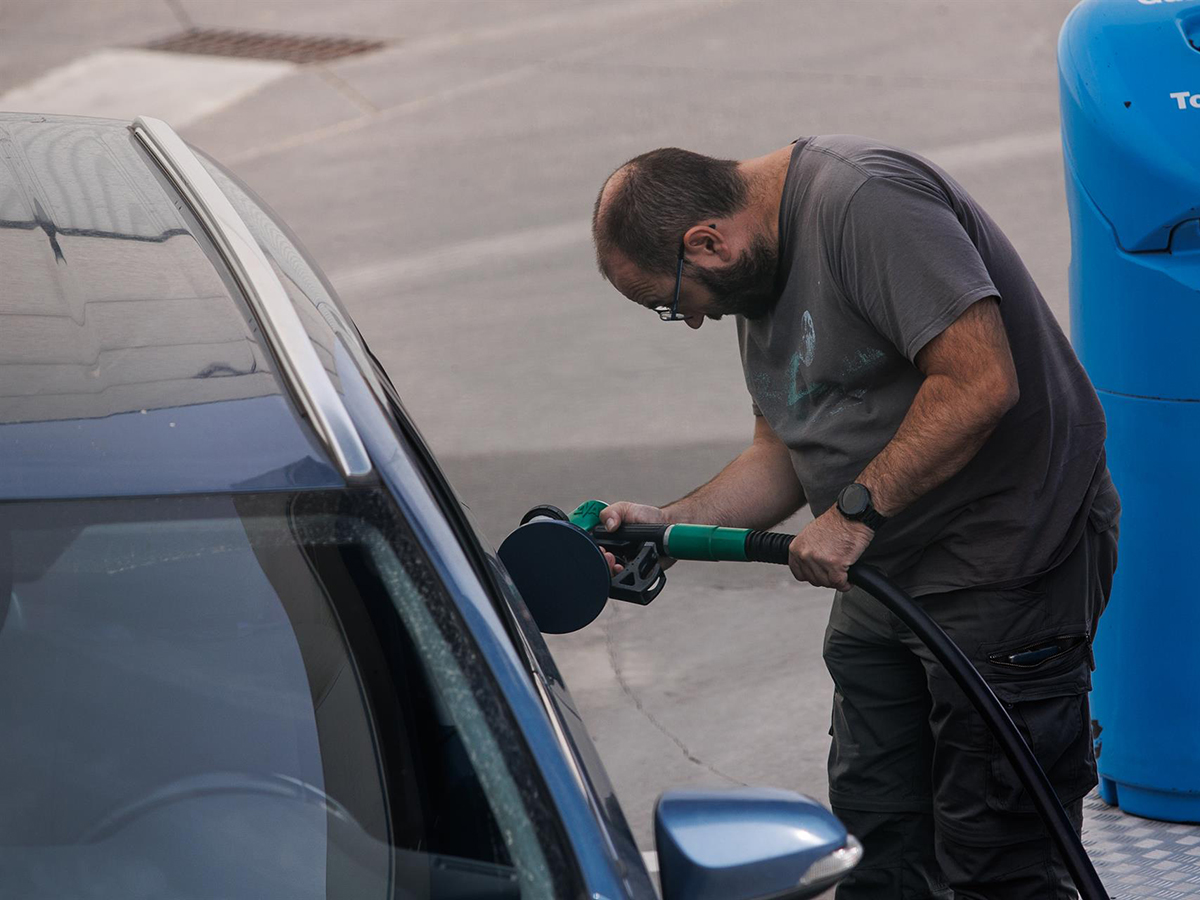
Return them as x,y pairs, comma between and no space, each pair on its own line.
745,287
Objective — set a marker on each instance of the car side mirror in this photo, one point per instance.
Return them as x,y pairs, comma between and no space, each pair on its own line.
748,844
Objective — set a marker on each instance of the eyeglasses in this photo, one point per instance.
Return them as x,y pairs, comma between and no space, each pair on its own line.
671,313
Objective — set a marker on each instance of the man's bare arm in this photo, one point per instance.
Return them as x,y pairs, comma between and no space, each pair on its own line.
970,383
756,490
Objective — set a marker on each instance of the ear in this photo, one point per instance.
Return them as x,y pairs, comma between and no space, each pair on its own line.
705,243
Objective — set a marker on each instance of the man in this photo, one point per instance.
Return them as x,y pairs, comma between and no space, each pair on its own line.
912,386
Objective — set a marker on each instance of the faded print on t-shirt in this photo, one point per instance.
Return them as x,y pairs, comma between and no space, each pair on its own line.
879,252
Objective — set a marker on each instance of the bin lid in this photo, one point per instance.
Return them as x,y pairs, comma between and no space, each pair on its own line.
1129,72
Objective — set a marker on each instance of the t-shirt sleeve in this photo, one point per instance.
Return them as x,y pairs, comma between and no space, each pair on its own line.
906,262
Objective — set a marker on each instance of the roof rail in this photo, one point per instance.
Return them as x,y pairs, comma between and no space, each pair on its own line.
301,369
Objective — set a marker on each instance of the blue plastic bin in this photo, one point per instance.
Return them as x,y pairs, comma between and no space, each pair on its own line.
1130,91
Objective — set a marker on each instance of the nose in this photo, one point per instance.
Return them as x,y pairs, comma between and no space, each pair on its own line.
694,321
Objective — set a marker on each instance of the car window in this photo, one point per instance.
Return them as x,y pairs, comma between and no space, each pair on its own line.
248,696
314,301
114,318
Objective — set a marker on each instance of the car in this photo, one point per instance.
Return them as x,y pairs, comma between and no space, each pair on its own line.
250,643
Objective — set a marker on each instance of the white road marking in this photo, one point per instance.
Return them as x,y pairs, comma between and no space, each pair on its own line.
650,858
121,84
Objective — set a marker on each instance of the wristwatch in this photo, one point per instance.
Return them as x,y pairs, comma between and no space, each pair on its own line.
854,502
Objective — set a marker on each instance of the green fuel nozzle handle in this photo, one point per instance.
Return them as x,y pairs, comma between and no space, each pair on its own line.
711,543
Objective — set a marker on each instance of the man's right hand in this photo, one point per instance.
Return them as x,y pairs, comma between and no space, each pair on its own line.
624,512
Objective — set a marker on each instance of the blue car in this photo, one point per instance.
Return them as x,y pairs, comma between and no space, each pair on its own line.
250,646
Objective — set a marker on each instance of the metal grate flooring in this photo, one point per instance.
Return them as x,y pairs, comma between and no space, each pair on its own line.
1140,858
296,48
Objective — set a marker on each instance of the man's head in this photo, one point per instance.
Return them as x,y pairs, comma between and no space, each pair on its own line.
662,199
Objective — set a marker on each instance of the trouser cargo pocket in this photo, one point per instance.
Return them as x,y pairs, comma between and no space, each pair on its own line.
1043,683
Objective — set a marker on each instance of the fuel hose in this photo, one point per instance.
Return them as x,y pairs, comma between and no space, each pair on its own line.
1083,873
706,542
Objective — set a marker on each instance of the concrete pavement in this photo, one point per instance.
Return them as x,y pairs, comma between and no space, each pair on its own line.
445,184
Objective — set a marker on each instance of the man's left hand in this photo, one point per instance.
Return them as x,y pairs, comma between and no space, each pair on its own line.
826,548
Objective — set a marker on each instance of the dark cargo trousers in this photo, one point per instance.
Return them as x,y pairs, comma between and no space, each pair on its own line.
914,772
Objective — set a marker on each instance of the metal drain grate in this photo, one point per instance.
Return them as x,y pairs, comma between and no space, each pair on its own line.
297,48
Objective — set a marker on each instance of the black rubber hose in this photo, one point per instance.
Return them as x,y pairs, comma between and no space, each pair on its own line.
768,546
875,583
763,546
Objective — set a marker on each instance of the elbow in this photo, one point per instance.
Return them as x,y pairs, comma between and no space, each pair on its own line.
1010,391
1003,393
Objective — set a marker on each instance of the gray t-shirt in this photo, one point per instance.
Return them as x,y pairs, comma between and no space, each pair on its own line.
880,250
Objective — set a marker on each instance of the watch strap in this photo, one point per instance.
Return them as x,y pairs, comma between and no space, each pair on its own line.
873,519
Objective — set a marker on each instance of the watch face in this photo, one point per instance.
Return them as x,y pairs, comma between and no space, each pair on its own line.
854,500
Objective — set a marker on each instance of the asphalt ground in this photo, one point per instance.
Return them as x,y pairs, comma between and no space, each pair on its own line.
445,183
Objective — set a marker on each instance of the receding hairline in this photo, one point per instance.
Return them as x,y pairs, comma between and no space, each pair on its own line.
647,202
604,246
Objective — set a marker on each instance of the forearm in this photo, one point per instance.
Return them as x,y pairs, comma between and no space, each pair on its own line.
943,430
758,489
970,383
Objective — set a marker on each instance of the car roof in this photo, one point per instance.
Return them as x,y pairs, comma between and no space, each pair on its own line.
142,348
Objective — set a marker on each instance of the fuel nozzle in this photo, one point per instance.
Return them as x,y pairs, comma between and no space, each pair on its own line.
637,547
557,564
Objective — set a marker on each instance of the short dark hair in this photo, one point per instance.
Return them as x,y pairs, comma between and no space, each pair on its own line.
660,195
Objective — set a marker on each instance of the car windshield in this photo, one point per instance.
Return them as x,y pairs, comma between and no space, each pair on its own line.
245,696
